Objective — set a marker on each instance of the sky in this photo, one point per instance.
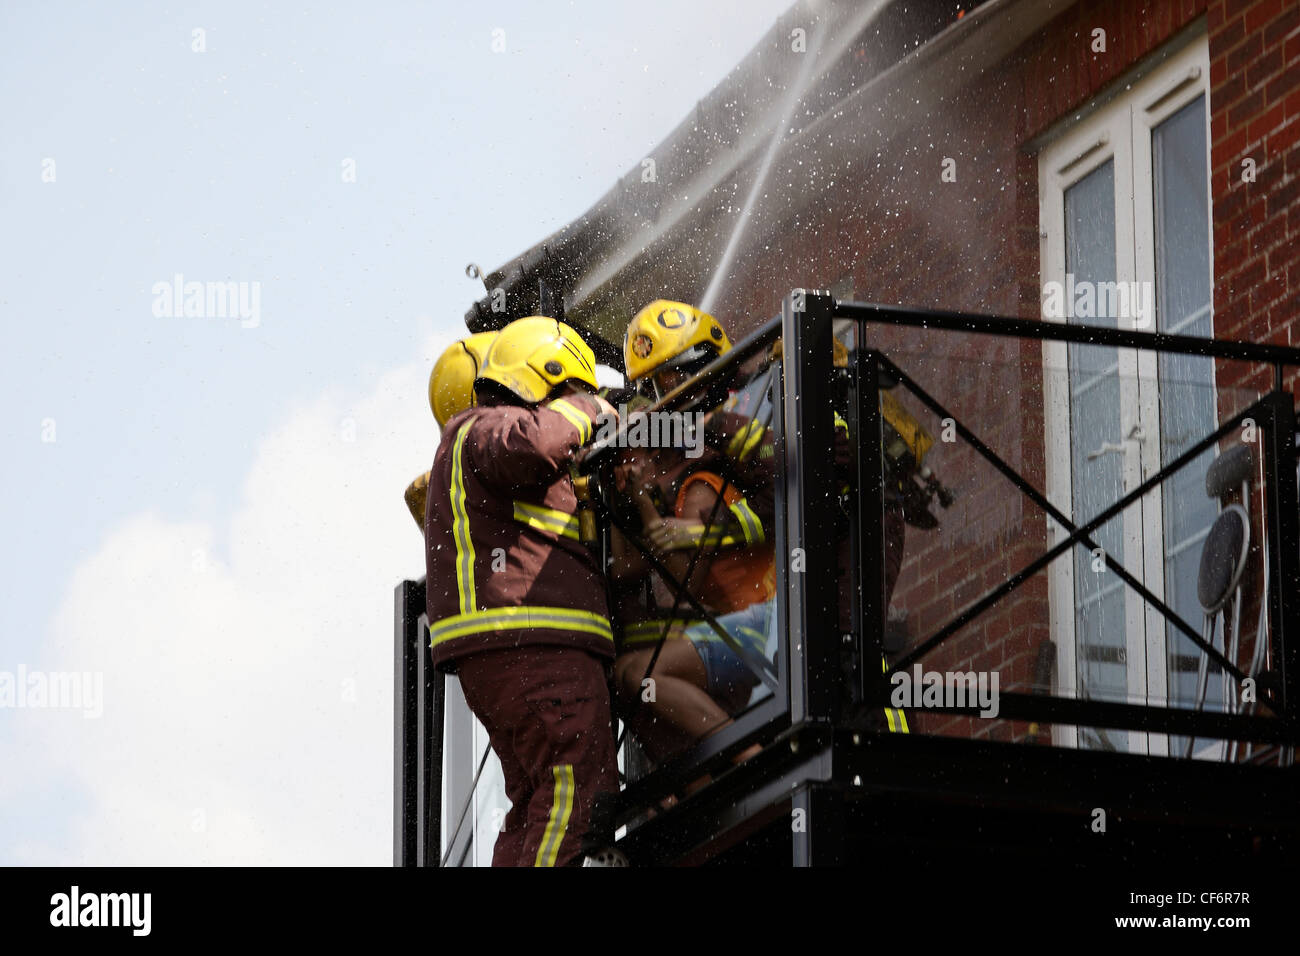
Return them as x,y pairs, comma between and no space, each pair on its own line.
203,514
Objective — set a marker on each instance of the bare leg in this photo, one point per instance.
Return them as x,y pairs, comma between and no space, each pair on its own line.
680,701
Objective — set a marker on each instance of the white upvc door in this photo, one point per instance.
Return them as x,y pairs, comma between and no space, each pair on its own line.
1171,135
1124,198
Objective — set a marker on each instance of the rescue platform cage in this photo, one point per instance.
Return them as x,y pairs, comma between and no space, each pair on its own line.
817,727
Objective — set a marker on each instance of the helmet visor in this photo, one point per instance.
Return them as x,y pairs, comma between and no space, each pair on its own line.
680,368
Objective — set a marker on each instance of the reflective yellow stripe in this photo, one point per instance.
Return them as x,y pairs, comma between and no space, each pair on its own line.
547,519
892,715
561,810
517,618
460,526
749,523
715,537
576,416
745,440
645,632
840,422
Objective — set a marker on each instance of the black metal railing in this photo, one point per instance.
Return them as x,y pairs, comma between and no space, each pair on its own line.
1274,413
827,679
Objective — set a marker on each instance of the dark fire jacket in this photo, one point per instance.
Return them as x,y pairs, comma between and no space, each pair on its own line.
505,564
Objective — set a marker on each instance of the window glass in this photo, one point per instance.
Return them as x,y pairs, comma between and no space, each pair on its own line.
1187,396
1096,479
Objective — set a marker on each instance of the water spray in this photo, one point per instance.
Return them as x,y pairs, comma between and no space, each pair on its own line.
798,89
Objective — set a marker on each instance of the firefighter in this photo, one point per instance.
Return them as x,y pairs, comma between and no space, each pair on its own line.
516,601
451,390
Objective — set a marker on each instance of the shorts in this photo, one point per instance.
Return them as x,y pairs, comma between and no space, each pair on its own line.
725,670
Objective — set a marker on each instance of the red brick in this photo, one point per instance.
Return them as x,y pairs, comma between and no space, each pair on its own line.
1284,255
1245,53
1280,86
1215,13
1227,205
1269,173
1230,258
1228,92
1261,13
1280,140
1285,197
1268,289
1221,295
1266,122
1231,34
1268,235
1228,317
1245,280
1230,151
1265,68
1293,104
1247,109
1282,26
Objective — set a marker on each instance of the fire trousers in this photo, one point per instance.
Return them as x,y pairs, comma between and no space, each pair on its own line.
547,713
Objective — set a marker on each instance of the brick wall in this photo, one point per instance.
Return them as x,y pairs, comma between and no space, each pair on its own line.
1255,115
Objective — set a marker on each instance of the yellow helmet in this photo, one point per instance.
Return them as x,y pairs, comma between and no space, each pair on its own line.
669,334
531,356
451,384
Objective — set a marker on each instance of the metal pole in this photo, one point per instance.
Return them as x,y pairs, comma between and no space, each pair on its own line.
431,691
1284,556
817,825
870,510
807,334
408,600
1278,355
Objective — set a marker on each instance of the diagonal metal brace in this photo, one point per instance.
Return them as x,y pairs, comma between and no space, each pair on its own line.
1078,535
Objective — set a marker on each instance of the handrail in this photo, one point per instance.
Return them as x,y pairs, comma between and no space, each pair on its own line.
1007,326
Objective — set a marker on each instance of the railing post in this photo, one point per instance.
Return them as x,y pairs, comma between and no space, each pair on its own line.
408,605
869,514
1284,551
817,823
431,691
808,441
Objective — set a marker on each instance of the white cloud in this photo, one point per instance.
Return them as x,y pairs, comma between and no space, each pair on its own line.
229,654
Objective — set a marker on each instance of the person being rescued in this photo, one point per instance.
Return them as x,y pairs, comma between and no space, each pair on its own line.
700,682
695,519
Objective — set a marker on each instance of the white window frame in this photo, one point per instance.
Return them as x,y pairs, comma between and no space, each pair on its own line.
1118,130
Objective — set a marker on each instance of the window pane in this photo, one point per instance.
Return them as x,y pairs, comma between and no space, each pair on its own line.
1100,633
1187,396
